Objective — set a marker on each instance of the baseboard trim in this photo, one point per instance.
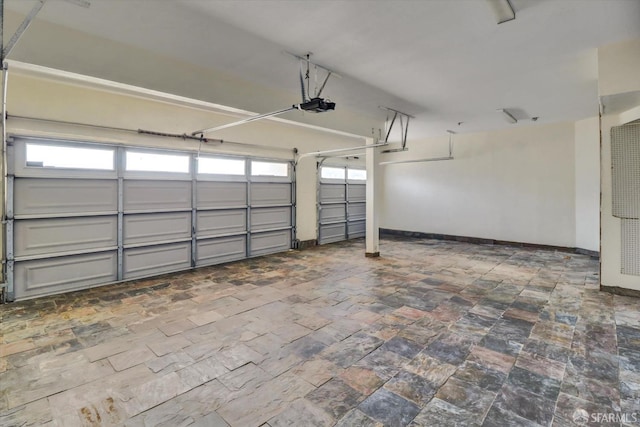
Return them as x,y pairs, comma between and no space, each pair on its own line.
306,244
594,254
620,291
482,241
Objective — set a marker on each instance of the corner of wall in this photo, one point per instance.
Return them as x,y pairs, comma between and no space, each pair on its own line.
587,184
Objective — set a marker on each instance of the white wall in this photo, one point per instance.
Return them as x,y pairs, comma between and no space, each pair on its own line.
587,179
513,185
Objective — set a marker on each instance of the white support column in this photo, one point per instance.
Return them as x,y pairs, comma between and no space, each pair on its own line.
372,242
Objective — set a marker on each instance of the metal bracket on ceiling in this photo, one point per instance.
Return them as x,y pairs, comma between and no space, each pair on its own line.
5,51
22,28
394,115
428,159
315,104
305,74
502,10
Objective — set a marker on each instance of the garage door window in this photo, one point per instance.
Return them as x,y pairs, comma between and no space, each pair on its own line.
357,174
221,166
259,168
332,173
154,162
69,157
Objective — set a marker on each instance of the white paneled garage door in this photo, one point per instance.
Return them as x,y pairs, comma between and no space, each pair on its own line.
83,214
341,203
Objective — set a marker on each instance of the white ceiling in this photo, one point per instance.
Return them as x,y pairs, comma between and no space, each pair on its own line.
443,61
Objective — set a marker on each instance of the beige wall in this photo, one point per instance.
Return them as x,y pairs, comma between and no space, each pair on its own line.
587,191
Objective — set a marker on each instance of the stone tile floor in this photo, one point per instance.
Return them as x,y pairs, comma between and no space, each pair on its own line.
431,334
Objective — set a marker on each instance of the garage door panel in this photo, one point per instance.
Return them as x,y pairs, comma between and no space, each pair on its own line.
265,194
64,196
357,211
357,193
224,249
270,218
62,274
157,227
212,194
212,223
332,213
270,242
55,235
156,196
356,229
332,193
332,232
154,260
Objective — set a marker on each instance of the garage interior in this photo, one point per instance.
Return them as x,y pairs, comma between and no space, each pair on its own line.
319,213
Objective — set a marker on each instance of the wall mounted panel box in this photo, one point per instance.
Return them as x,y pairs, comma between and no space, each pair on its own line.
625,168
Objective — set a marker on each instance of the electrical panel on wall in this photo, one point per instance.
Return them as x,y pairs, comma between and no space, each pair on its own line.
630,247
625,165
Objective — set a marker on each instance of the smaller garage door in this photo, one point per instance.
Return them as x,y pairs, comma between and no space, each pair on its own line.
341,203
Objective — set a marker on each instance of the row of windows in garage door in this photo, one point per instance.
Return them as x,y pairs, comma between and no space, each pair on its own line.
70,156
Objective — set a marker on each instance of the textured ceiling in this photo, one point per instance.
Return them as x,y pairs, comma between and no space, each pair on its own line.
442,61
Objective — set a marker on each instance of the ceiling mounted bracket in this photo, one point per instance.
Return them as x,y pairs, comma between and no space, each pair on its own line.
306,58
313,105
502,10
22,28
6,50
305,75
507,115
428,159
394,115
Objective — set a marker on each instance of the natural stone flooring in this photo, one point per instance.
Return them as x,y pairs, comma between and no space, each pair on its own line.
431,334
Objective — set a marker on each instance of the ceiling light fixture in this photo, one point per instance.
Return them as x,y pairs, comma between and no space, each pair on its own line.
508,116
502,10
